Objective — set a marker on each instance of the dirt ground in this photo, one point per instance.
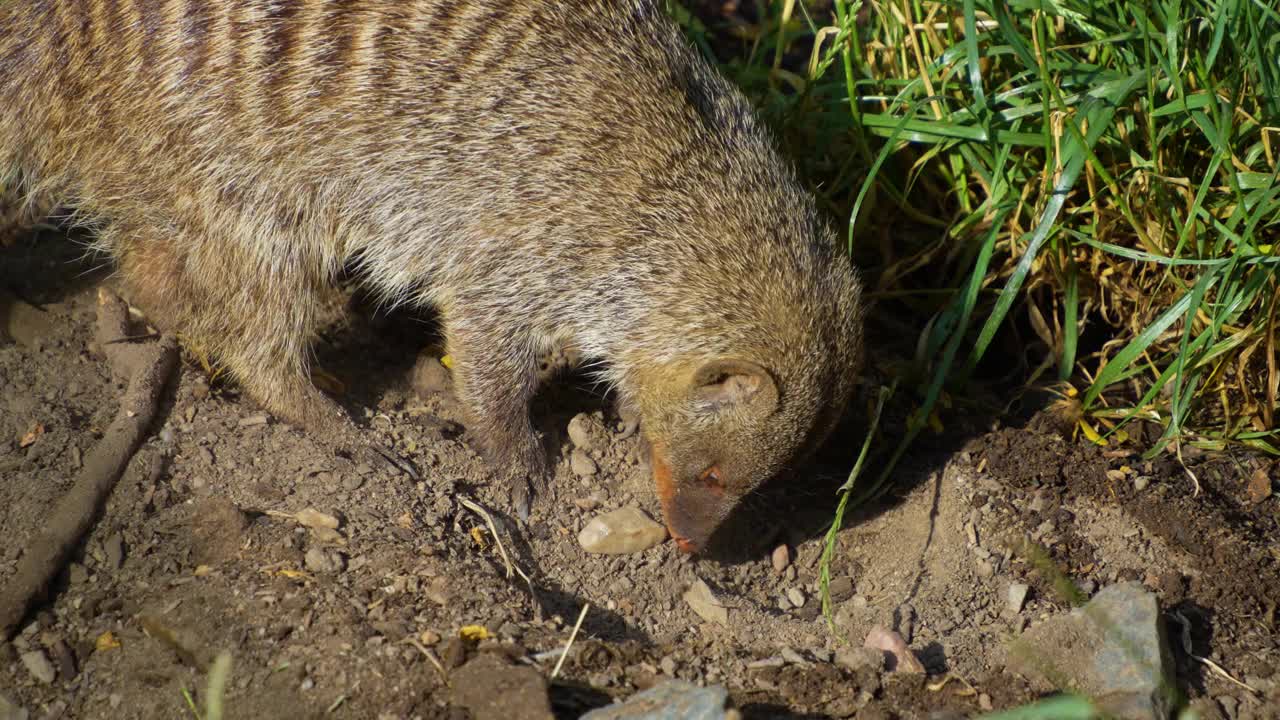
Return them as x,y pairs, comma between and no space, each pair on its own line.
199,551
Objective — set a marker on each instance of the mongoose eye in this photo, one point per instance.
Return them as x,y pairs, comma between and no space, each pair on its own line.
711,478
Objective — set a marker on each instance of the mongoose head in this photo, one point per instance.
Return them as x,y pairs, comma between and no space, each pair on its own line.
719,424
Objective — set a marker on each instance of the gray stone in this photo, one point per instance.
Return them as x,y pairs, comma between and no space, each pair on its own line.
623,531
671,700
796,596
1113,649
37,663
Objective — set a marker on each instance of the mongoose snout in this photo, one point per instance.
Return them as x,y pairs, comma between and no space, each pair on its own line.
543,173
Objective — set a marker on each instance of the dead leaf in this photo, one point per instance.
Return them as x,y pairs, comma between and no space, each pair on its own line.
1259,487
106,641
30,438
473,633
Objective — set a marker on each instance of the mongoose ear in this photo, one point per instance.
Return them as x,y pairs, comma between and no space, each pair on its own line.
741,385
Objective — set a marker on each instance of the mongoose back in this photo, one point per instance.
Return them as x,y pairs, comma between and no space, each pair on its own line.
543,172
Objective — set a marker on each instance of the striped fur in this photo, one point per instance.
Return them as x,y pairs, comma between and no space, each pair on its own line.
543,172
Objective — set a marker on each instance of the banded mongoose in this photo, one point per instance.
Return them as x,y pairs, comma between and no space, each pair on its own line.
542,172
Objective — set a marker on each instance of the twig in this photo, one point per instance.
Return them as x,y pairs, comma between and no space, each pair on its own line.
493,530
426,652
1186,647
149,368
132,338
581,616
497,539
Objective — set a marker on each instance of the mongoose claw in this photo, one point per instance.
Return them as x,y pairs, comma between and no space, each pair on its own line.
521,500
525,492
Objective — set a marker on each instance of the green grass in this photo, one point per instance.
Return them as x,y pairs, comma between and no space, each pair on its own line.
1044,169
1107,166
1085,194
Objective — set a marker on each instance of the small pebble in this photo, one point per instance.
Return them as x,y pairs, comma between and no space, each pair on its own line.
113,546
781,558
668,666
582,464
623,531
764,663
791,656
580,432
1141,482
1017,596
320,562
894,644
705,603
984,703
37,663
796,596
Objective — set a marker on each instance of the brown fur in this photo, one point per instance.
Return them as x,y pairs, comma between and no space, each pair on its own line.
543,172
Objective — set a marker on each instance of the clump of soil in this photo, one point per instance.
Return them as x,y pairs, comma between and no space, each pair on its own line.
354,608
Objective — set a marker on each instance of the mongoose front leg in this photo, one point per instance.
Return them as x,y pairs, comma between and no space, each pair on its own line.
494,379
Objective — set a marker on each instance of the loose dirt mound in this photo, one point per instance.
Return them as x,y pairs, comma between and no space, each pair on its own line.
200,550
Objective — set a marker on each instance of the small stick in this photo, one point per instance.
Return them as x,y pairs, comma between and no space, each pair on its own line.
497,539
581,616
149,369
426,652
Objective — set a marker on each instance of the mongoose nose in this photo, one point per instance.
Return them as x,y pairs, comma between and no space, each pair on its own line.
685,544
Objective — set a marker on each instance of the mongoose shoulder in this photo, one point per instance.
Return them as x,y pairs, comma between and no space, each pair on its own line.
542,172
